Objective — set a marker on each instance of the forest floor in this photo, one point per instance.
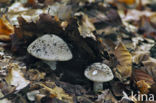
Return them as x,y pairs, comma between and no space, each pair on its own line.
120,34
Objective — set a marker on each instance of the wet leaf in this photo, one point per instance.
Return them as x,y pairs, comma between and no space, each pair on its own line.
6,29
124,58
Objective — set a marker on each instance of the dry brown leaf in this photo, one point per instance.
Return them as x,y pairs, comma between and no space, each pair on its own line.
4,1
58,93
35,75
124,67
128,2
15,77
142,80
143,86
6,29
31,3
86,28
106,96
140,56
150,67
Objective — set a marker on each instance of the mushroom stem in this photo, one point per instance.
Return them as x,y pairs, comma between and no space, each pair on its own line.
52,64
97,86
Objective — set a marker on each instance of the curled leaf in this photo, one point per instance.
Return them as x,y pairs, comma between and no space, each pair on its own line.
124,67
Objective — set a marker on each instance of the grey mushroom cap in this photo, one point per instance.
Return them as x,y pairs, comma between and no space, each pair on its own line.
50,48
99,72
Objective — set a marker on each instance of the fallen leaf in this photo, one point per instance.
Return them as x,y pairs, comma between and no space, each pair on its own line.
15,77
31,3
150,67
153,51
106,96
6,29
85,28
35,75
128,2
31,95
4,1
124,67
140,56
143,86
58,93
5,88
142,80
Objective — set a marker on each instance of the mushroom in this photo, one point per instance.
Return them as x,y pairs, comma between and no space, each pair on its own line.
98,73
50,48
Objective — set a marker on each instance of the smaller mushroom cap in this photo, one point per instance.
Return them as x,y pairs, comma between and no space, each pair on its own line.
50,48
99,72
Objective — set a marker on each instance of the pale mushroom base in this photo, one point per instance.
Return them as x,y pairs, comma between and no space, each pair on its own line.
97,86
51,64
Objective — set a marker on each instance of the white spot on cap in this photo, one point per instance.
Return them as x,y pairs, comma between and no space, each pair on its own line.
99,72
95,72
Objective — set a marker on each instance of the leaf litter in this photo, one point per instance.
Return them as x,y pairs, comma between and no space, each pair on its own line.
118,33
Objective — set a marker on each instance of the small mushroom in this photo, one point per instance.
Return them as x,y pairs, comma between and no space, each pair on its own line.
50,48
98,73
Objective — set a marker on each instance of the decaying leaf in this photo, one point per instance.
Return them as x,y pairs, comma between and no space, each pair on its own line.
58,93
142,80
6,29
15,77
124,67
